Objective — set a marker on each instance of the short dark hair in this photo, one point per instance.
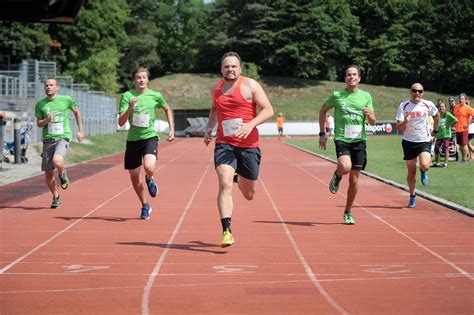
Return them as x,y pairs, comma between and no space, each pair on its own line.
51,78
352,66
140,69
231,54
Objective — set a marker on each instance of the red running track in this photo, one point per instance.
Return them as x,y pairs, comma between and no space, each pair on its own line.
292,254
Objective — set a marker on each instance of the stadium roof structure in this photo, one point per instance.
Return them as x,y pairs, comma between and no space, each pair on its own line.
41,11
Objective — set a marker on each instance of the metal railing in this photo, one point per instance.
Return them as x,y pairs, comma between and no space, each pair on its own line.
21,89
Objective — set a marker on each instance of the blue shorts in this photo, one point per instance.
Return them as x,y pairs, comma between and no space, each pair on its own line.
357,152
245,161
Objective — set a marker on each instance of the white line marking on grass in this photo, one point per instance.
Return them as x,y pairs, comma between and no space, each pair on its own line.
301,258
453,265
16,261
161,260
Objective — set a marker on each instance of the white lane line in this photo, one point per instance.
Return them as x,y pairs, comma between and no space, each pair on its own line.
307,268
180,154
232,283
16,261
453,265
9,266
247,275
159,263
4,210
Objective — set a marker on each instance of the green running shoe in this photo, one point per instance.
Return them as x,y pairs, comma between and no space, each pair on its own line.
334,183
56,202
64,180
348,219
227,239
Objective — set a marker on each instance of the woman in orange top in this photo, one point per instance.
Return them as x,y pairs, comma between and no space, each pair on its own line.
463,113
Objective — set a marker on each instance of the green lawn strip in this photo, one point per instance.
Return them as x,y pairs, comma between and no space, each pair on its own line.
385,159
298,99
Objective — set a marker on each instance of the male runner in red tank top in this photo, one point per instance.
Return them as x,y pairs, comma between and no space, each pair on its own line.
235,100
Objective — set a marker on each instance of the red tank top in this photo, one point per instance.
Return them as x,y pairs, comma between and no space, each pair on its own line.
233,106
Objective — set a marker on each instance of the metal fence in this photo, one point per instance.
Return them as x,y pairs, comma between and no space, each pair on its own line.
21,86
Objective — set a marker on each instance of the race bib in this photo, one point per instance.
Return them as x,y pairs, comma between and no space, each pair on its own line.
55,128
141,120
352,131
230,126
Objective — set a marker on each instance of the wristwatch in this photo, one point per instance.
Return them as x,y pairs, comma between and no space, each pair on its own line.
322,134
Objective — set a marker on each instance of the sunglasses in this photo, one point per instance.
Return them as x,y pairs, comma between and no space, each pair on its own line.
419,91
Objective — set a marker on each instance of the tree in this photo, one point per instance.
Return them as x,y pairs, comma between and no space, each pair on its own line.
24,41
99,33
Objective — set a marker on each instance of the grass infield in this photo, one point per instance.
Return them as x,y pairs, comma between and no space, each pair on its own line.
385,159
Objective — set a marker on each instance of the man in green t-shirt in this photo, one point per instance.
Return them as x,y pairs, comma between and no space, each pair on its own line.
443,136
52,115
138,107
352,107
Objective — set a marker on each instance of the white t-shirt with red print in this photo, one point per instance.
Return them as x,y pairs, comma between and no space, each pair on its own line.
418,128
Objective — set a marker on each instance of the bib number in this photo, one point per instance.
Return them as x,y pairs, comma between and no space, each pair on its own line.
351,131
55,128
141,120
231,126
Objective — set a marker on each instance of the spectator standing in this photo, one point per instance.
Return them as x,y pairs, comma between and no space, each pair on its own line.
329,126
463,113
280,120
443,137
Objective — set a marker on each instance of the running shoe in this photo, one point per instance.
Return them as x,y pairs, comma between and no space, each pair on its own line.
348,219
235,179
412,203
436,165
424,178
227,239
152,188
64,180
146,211
56,202
334,183
444,165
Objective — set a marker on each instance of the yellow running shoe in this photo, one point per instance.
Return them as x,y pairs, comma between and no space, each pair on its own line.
228,239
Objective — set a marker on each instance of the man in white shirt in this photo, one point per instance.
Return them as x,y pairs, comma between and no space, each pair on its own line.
413,119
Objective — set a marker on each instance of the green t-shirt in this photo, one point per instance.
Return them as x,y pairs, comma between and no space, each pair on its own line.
59,127
142,118
349,118
444,126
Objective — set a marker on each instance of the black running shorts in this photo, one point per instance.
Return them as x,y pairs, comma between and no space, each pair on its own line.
136,150
245,161
411,150
356,150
